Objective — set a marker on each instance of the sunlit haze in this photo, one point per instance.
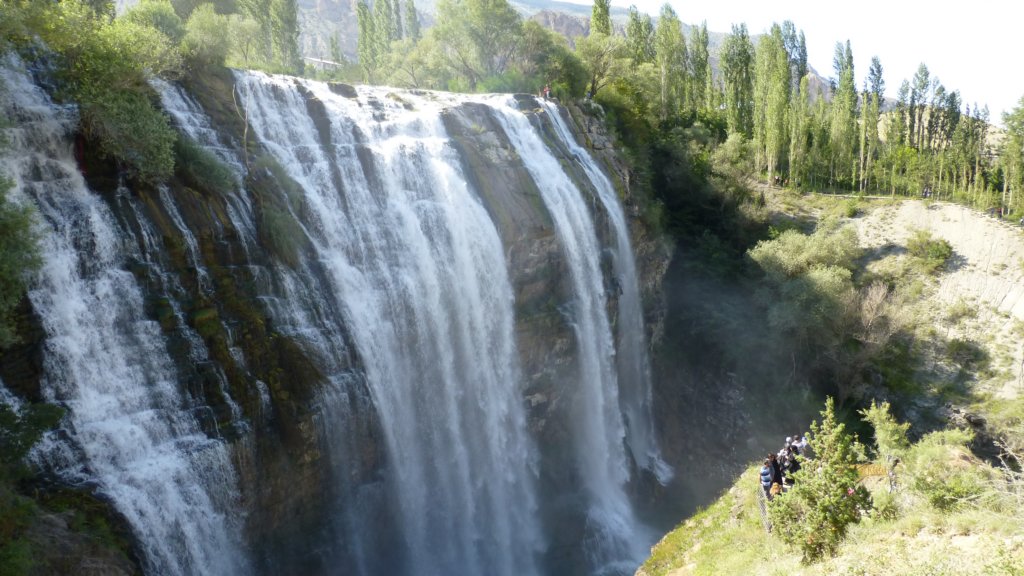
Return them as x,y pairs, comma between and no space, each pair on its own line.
971,47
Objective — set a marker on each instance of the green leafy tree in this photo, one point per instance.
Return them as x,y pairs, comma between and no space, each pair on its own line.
870,117
918,98
260,12
737,70
670,57
826,497
397,30
771,99
843,133
158,14
184,8
477,39
367,47
600,18
796,48
384,23
701,75
604,57
640,36
108,63
801,131
890,435
205,41
412,21
284,28
876,82
1012,156
243,33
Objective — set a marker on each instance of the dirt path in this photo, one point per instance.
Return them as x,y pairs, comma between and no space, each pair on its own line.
986,272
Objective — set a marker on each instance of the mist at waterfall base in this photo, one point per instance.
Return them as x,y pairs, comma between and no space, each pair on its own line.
402,266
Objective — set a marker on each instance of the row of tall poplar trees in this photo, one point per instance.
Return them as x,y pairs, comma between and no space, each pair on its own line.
821,136
810,133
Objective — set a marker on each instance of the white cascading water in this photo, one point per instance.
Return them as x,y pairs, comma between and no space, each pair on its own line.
419,272
107,363
616,541
189,117
633,362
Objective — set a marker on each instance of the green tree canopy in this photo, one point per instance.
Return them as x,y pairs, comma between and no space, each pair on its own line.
477,38
737,70
600,18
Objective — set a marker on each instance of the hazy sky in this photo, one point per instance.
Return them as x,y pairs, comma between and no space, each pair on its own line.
976,47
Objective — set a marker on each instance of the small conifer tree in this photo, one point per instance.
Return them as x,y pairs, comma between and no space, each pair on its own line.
826,497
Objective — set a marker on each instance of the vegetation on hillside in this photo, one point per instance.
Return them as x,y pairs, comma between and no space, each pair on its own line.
928,507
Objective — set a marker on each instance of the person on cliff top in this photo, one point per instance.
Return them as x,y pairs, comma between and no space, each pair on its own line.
766,478
773,461
801,443
547,92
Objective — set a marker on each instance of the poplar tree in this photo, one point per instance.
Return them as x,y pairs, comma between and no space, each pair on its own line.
670,56
384,25
737,63
1012,156
367,45
412,21
842,136
398,32
918,97
600,18
869,111
284,27
796,48
772,90
640,36
875,81
898,128
801,134
700,68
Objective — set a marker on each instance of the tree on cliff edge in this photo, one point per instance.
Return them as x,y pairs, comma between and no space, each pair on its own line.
826,497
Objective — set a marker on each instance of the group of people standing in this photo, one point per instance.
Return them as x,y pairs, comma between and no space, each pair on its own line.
778,468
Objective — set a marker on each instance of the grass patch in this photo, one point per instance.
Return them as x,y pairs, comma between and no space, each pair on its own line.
959,311
201,170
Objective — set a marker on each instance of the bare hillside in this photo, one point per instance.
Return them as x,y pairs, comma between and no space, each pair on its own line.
980,294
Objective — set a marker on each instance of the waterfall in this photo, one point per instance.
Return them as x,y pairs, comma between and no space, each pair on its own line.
131,431
615,540
417,269
633,362
190,119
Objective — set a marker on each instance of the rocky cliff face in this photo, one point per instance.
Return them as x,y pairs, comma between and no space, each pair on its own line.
215,282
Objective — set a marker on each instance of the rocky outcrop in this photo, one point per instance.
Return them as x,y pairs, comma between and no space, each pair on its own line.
567,25
70,551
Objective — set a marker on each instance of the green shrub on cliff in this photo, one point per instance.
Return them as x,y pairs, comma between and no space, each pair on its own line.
103,64
827,497
19,256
